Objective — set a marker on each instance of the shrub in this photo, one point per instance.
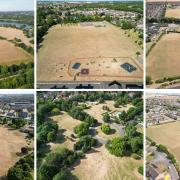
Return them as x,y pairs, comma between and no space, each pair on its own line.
55,111
24,150
148,80
85,143
81,129
141,170
106,117
106,128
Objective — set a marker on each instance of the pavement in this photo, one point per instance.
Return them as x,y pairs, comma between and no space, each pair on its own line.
118,127
89,85
160,157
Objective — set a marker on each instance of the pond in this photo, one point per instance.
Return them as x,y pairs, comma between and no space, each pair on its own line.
16,24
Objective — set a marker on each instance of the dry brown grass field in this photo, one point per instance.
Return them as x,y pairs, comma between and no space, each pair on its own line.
9,54
173,13
11,143
67,124
99,163
11,33
168,135
100,49
163,60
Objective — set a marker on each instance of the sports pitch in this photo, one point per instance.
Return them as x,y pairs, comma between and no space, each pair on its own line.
99,48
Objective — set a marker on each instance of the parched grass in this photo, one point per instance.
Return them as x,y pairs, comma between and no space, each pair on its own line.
168,135
173,13
64,44
11,143
9,54
107,166
163,59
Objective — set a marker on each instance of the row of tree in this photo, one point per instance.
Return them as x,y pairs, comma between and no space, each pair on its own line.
17,76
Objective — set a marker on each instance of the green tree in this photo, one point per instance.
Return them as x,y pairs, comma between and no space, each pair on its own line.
81,129
106,117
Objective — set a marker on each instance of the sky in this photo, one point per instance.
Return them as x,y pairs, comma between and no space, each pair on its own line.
16,5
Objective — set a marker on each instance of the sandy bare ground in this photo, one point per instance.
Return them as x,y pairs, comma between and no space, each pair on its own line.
11,143
101,165
93,47
9,54
164,57
173,13
11,33
168,135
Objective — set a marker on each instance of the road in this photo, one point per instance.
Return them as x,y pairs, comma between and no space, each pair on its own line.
89,85
160,157
119,128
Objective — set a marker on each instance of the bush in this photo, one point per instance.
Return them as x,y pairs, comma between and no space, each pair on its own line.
22,169
135,156
118,147
24,150
51,136
106,128
55,111
64,175
55,161
85,143
106,117
81,129
141,170
148,80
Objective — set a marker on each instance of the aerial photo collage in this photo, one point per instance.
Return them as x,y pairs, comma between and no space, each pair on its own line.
89,89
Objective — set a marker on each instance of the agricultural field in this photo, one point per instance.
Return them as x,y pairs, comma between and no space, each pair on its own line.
99,47
67,129
167,134
11,143
164,57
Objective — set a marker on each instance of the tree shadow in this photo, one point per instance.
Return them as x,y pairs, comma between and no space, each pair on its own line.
61,138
